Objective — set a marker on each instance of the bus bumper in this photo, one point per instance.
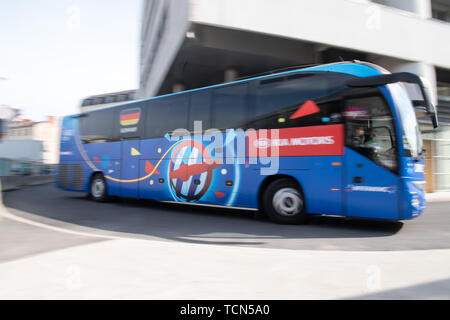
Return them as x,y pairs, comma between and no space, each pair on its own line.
415,201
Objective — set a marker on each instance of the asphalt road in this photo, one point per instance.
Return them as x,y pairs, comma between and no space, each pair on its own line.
127,218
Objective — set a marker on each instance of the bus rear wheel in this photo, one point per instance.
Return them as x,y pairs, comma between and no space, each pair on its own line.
284,203
98,191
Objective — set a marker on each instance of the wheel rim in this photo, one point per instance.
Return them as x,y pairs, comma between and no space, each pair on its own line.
98,188
287,202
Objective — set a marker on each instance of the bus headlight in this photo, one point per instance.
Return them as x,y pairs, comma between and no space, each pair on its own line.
415,202
422,185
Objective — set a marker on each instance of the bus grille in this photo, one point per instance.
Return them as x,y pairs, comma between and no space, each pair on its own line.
77,177
64,175
71,176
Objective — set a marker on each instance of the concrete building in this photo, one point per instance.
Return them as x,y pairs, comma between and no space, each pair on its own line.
187,44
19,153
20,129
48,132
27,140
22,150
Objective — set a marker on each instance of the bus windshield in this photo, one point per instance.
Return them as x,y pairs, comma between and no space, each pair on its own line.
412,139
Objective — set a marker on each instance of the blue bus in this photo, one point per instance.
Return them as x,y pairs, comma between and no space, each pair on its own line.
338,139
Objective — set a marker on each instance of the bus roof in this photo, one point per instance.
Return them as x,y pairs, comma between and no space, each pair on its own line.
355,68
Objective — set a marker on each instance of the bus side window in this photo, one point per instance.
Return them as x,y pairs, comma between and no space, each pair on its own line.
277,102
321,114
166,115
230,106
200,110
129,122
315,114
95,127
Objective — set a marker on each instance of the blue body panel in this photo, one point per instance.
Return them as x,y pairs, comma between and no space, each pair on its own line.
377,196
145,169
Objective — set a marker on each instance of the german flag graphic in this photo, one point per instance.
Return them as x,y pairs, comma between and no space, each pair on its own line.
130,117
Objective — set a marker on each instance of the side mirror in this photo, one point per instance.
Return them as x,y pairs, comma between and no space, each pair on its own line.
424,152
406,77
429,103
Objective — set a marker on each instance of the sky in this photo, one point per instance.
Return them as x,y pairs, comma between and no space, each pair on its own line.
53,53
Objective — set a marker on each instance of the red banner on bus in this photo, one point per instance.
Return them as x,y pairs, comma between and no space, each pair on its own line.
293,142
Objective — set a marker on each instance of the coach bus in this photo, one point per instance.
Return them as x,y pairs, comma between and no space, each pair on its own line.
340,139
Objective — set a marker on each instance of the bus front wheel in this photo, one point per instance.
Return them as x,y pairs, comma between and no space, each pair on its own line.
98,190
284,203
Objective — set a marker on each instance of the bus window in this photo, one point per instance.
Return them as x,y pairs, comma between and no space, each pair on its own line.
166,115
121,98
200,109
99,100
370,130
327,113
230,107
96,126
277,100
87,102
276,94
110,99
130,121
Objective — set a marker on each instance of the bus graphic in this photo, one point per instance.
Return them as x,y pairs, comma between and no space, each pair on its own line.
130,117
191,170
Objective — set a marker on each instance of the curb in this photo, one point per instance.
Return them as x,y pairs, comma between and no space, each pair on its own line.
438,197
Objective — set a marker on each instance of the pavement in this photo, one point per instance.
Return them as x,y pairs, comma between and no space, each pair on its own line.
58,245
440,196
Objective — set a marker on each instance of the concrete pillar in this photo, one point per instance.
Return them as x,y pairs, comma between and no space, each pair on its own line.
178,87
231,75
420,7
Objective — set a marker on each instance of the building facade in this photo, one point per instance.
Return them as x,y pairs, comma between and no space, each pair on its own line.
186,44
26,140
48,132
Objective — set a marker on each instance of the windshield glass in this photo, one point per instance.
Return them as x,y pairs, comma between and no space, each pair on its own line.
412,139
370,129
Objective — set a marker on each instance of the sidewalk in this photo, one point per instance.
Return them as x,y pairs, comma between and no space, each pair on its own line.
438,197
139,269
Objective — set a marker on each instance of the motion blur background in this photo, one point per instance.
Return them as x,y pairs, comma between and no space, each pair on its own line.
64,57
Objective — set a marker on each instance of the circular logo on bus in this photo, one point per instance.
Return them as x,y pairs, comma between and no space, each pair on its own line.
191,170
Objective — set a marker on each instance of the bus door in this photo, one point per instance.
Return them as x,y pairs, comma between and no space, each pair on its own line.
370,178
130,133
130,168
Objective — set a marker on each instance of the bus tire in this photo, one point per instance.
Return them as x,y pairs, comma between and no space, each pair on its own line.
283,202
97,189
